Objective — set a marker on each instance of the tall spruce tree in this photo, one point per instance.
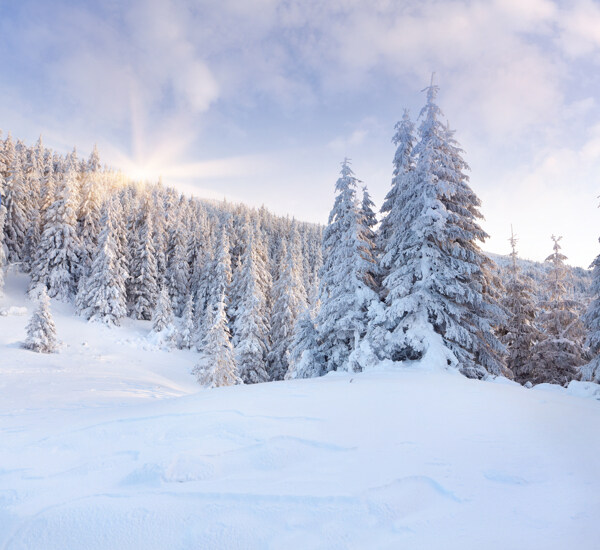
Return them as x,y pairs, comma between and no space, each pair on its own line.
57,261
591,371
16,200
392,223
144,277
519,333
556,359
251,328
103,295
88,214
437,285
2,248
216,366
178,267
35,180
289,300
347,282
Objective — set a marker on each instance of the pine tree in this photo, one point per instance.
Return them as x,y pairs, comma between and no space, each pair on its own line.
591,371
3,171
158,236
222,268
288,302
2,248
35,179
217,366
347,282
556,359
519,334
57,260
178,268
144,270
306,360
251,327
186,334
41,330
103,295
162,319
437,287
93,163
392,224
89,215
16,223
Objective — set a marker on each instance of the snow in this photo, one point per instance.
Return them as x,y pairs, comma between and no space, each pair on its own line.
112,444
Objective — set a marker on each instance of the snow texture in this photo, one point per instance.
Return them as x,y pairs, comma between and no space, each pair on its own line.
112,444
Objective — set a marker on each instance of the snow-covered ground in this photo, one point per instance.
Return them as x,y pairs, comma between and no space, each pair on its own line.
111,445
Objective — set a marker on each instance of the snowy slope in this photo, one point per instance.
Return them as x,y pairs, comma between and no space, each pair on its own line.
109,445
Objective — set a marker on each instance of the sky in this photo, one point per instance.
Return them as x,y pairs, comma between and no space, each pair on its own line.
259,101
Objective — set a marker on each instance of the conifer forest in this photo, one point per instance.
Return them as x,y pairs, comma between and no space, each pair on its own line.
264,298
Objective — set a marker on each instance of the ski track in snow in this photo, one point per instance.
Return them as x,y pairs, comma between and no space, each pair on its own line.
112,444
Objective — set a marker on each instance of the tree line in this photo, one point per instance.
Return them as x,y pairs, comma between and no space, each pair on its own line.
266,298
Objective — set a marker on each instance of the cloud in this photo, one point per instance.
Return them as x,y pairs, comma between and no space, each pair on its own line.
165,84
580,29
554,194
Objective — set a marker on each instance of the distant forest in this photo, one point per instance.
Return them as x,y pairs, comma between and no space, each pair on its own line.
262,297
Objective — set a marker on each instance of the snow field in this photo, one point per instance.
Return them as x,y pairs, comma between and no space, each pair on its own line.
111,444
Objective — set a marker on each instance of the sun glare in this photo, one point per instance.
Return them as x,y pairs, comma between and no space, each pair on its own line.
143,172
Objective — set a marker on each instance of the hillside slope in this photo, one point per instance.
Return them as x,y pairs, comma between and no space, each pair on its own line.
111,444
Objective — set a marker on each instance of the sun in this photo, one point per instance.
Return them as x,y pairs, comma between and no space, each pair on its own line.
142,172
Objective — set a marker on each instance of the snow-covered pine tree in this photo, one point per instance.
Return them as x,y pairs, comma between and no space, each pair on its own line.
93,164
143,284
158,235
288,302
186,334
162,319
221,272
39,267
217,366
347,282
265,279
519,333
201,279
177,266
392,223
122,208
131,205
3,171
215,280
437,286
41,330
591,371
103,295
250,328
557,358
201,255
7,157
369,223
57,261
88,215
35,179
306,360
16,198
2,247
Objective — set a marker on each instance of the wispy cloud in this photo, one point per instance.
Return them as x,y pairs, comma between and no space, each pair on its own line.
170,85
